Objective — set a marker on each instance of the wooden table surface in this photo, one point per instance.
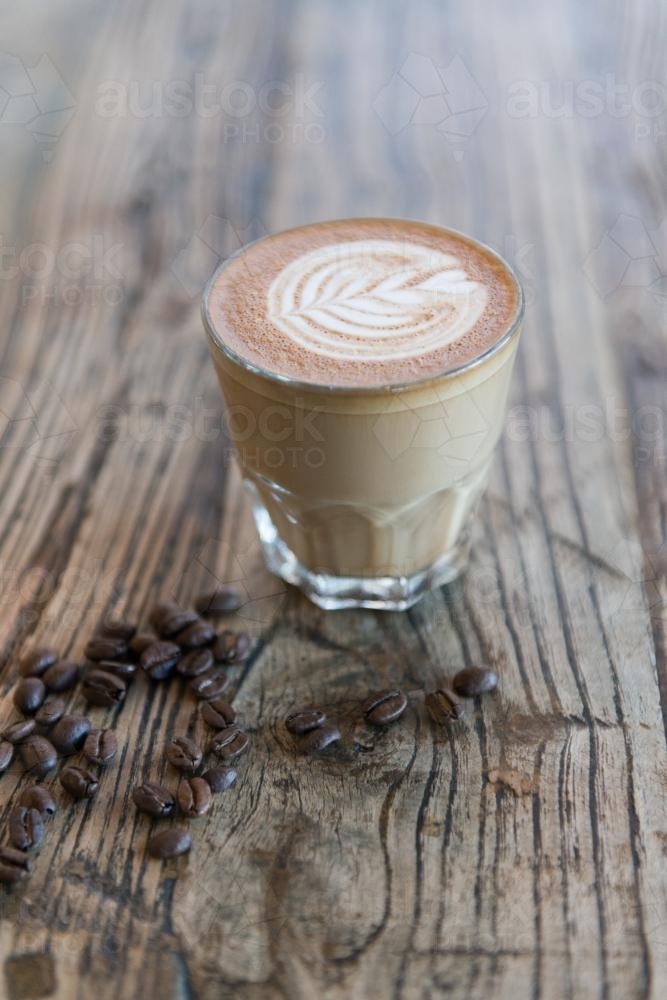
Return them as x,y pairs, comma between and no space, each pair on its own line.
521,853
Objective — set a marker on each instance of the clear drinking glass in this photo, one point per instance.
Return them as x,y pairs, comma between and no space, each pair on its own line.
364,496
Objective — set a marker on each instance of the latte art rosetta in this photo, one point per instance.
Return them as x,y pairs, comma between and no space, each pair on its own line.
374,300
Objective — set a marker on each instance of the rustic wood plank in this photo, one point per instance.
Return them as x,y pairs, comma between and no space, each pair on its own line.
521,854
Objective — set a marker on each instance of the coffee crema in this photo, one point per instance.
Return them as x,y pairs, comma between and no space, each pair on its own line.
362,302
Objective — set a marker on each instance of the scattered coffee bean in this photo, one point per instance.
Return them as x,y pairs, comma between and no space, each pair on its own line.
6,754
29,694
219,778
159,659
38,755
154,800
40,798
69,733
19,731
118,628
210,685
303,721
34,664
384,707
194,797
119,668
320,738
195,663
169,844
103,689
230,743
62,676
183,753
168,618
26,828
14,865
106,647
140,642
81,784
51,711
443,706
218,713
220,601
473,681
100,746
200,633
232,647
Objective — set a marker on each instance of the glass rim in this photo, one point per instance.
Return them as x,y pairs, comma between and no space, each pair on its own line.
304,385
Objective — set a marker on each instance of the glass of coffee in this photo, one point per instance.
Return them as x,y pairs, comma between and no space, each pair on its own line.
365,366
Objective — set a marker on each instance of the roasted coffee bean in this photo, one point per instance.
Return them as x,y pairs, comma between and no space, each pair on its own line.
19,731
168,618
106,647
140,642
303,721
14,865
320,738
51,711
219,778
384,707
154,800
69,734
169,844
195,663
194,797
200,633
100,746
6,754
119,668
210,685
159,659
38,756
103,689
443,706
81,784
118,628
29,694
473,681
26,828
62,676
232,647
218,713
220,601
230,743
34,664
40,798
183,753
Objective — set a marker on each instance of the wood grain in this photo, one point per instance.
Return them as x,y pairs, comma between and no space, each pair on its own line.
519,854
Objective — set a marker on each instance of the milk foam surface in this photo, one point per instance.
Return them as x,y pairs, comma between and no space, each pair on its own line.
362,302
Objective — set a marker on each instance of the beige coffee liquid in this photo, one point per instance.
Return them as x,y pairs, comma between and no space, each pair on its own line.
400,337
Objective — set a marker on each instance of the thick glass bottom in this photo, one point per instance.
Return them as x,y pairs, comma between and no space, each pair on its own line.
335,592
